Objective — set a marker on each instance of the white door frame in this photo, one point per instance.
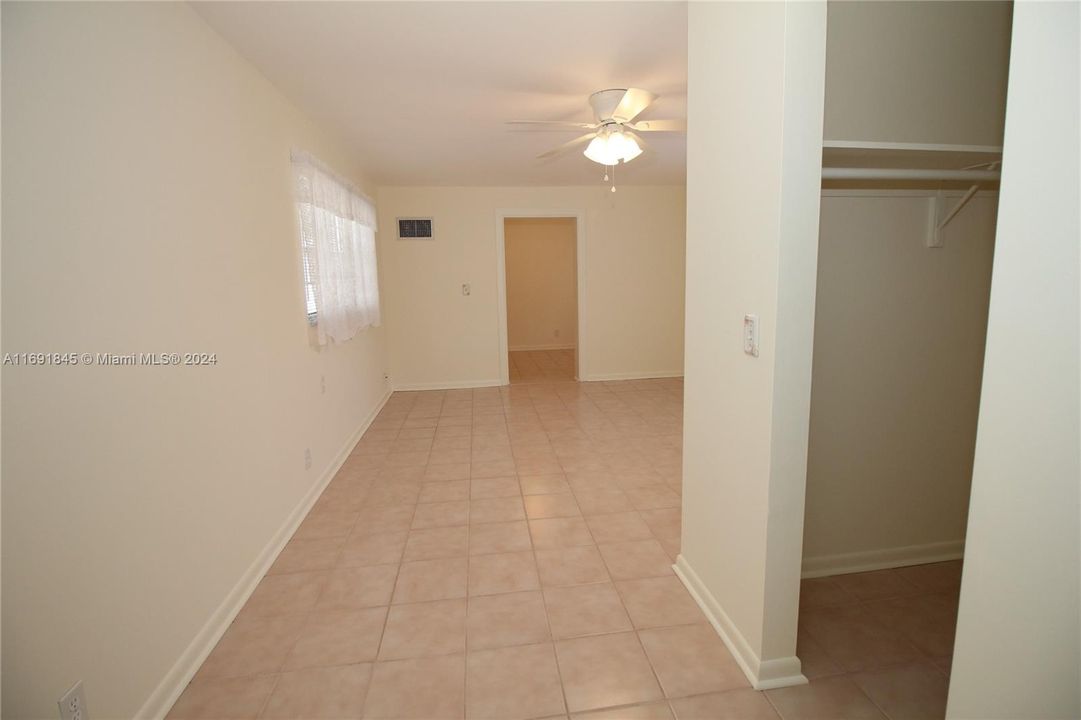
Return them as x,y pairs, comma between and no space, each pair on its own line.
501,287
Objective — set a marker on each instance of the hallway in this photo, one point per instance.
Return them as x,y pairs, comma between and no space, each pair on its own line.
506,552
531,366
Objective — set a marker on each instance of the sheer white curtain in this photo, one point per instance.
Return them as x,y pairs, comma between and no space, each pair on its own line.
337,241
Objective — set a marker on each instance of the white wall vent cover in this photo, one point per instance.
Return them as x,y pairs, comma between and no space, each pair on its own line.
416,228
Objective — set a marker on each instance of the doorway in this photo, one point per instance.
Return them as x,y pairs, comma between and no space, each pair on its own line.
540,295
898,360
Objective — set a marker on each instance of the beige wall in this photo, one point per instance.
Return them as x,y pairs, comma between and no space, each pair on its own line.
918,72
632,283
1018,648
753,181
899,331
147,207
542,290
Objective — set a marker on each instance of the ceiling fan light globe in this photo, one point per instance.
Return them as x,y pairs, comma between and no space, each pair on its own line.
600,150
626,148
617,145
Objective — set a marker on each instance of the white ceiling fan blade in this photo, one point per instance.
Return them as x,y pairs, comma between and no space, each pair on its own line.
634,101
567,146
659,126
554,124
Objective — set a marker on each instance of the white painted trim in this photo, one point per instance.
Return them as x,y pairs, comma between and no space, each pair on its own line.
501,283
448,385
845,563
167,692
891,192
533,348
763,675
779,673
831,172
647,375
911,147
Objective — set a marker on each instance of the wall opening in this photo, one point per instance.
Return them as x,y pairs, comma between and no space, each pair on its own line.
901,315
541,270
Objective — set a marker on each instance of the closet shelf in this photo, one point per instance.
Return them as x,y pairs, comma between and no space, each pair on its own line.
844,160
865,160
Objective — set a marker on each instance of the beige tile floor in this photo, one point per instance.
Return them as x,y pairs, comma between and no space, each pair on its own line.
884,636
506,553
530,366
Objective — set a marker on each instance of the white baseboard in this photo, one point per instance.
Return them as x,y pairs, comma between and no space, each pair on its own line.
531,348
845,563
163,697
448,385
763,675
465,384
647,375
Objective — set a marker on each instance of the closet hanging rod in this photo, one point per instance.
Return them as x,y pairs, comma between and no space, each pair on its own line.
853,173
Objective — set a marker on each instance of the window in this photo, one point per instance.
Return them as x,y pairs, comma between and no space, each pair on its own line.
337,246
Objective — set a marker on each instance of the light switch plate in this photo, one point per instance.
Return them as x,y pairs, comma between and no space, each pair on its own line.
750,335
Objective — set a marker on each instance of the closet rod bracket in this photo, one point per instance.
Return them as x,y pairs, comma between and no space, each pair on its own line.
939,218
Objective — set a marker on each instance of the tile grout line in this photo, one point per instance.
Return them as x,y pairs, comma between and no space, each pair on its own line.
468,562
635,630
386,619
630,620
307,616
544,600
554,424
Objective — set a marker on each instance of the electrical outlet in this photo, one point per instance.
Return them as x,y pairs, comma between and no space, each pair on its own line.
73,704
323,384
307,458
466,289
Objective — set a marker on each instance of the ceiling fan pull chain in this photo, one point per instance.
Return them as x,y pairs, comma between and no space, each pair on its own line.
613,178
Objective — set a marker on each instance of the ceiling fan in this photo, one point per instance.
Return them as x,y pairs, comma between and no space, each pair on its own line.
613,138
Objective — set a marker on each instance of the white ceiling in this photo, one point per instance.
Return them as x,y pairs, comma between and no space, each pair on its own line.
421,90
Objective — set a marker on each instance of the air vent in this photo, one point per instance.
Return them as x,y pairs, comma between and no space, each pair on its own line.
415,228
